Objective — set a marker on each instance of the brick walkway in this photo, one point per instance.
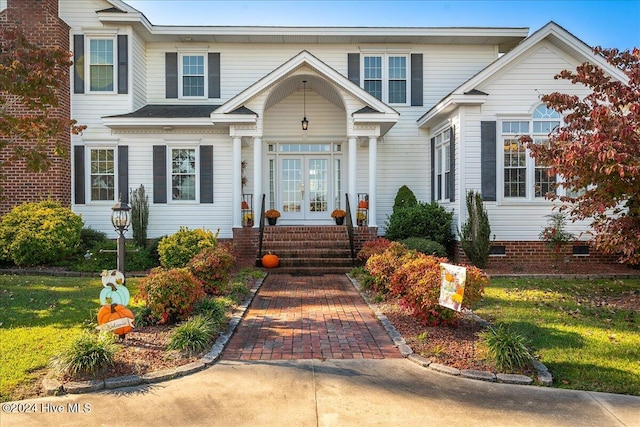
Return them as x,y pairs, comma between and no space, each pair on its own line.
312,317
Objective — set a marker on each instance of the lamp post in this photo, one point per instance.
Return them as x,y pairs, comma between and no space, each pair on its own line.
121,220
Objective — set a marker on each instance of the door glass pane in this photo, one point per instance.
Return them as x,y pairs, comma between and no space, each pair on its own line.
318,189
291,180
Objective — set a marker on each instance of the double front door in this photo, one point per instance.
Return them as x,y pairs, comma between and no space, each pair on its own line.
308,187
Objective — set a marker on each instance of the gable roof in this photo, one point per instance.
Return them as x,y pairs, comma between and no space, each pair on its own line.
467,92
373,110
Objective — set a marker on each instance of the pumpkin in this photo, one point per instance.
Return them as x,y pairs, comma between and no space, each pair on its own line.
115,318
114,277
270,261
363,204
245,205
115,294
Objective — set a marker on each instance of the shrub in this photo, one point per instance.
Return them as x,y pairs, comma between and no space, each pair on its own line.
88,353
507,348
404,198
475,237
176,250
373,247
382,266
425,246
139,215
170,294
428,220
144,317
90,238
194,335
214,308
418,281
136,259
39,233
212,266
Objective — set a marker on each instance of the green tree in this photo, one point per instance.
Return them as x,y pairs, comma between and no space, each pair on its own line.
30,78
475,236
597,151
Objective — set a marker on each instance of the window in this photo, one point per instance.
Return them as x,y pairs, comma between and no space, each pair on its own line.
522,178
443,165
102,174
101,65
385,77
193,73
183,174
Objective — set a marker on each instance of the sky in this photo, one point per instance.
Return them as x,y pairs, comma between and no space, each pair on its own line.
611,24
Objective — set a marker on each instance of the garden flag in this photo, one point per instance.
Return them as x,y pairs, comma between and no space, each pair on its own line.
452,289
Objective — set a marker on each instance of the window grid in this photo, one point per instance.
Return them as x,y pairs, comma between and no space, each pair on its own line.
385,77
515,168
397,80
373,75
101,60
102,179
193,75
183,174
443,165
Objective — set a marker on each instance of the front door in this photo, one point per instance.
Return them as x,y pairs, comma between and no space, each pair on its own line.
305,187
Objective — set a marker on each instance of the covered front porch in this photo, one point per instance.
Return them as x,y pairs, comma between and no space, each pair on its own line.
304,170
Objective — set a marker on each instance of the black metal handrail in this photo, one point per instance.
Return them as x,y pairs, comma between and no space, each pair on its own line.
261,233
350,230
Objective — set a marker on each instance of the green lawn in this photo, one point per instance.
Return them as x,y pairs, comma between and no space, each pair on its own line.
38,316
586,343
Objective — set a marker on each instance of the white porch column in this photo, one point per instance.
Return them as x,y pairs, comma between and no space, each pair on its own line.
257,180
373,157
351,187
236,183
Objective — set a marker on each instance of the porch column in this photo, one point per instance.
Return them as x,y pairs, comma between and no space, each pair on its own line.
236,182
257,180
373,157
351,188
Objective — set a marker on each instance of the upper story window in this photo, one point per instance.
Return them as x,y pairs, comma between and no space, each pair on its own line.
193,76
522,178
385,77
183,174
101,65
102,174
443,165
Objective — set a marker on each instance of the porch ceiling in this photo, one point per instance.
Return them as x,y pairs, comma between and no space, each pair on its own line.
314,83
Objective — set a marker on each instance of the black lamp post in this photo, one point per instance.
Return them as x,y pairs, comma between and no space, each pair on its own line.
121,220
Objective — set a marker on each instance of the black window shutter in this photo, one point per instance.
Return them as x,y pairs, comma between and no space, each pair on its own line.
416,79
78,63
78,174
123,173
123,64
214,75
353,70
433,169
452,164
488,160
206,174
159,174
171,74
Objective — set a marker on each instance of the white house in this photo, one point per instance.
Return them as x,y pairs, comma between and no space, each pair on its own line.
208,117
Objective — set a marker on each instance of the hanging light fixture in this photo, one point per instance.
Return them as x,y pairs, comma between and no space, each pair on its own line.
305,122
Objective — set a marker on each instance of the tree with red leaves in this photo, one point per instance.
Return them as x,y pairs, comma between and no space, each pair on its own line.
597,152
30,77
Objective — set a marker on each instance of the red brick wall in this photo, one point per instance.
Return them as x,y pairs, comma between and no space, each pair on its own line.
523,252
39,21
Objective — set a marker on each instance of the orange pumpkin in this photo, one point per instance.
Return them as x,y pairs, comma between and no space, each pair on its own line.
270,261
245,205
116,318
363,204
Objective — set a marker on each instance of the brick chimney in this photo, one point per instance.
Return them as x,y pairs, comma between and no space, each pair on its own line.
40,23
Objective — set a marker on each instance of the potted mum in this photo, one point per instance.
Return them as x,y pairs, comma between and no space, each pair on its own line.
272,216
338,215
361,218
248,220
